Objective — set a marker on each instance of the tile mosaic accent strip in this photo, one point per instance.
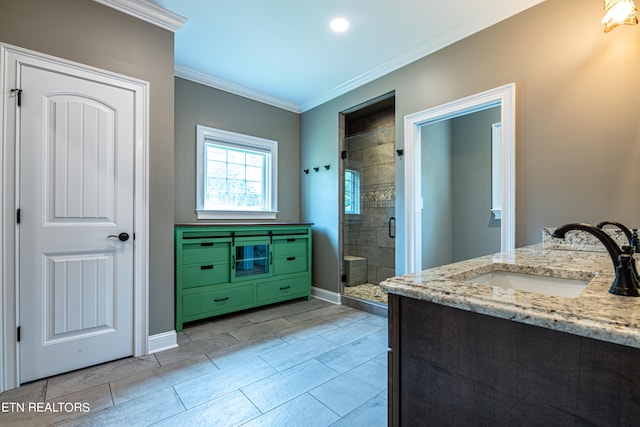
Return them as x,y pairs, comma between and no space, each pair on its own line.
378,195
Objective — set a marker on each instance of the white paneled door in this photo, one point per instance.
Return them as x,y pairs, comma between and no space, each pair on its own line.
76,241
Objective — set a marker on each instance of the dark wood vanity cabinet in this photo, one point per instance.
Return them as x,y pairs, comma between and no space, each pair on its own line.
451,367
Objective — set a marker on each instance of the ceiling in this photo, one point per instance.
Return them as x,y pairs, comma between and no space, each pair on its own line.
283,52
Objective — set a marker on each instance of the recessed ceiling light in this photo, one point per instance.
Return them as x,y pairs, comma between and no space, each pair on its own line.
339,25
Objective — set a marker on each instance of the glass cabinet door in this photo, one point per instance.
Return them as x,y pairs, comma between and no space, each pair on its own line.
251,260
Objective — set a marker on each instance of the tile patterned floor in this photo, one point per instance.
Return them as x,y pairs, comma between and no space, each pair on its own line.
302,363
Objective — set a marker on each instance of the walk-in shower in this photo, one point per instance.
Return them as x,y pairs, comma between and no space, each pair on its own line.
369,189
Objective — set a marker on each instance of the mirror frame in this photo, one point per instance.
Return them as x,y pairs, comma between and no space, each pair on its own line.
503,96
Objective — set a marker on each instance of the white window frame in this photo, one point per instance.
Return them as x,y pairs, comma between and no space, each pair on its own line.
237,140
355,194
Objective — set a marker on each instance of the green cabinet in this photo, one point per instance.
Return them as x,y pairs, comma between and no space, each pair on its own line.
229,267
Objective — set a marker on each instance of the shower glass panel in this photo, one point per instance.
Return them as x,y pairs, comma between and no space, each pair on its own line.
368,214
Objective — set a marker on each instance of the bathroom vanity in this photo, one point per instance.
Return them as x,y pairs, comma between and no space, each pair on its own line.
222,268
466,350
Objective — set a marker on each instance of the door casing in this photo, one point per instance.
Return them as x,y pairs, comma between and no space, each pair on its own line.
10,58
505,96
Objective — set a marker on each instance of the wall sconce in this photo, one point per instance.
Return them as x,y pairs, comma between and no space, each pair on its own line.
619,12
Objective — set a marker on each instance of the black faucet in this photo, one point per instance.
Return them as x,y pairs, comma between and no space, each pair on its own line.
632,237
626,282
635,240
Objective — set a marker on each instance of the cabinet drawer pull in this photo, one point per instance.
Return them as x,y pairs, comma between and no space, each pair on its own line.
291,240
206,267
284,288
206,244
291,258
221,299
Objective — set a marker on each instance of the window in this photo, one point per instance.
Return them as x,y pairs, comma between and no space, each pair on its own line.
351,192
236,175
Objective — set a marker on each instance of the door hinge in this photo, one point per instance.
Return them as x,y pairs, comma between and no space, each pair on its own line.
19,95
343,278
343,155
18,334
18,216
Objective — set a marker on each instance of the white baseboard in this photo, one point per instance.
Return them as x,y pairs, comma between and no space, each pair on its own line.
325,295
168,340
163,341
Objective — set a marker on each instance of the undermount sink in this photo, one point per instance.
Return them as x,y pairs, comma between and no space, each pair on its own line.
547,285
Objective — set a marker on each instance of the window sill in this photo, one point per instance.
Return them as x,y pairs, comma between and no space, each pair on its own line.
204,214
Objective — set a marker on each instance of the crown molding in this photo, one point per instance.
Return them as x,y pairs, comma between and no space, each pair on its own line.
149,12
490,16
500,11
227,86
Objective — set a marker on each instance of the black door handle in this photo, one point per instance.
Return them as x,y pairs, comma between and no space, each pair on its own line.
122,236
392,235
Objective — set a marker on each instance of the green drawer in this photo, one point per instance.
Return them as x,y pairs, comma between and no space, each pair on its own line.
296,286
223,299
205,274
289,265
292,246
205,252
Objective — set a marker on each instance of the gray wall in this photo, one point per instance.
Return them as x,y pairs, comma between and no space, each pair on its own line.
457,223
577,127
475,231
196,104
319,194
437,194
90,33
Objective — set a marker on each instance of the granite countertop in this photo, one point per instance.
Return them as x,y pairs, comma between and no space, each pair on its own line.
595,313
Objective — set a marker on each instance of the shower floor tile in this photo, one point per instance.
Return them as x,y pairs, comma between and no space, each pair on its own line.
366,291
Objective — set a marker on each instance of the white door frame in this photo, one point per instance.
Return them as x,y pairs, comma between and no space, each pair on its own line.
503,96
10,57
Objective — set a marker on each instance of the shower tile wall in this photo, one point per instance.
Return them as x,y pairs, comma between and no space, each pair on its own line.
370,146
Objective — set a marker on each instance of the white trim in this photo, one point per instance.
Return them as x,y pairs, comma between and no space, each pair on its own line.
325,295
9,57
205,214
236,89
503,96
231,139
148,12
8,351
161,342
355,192
494,14
141,222
496,170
